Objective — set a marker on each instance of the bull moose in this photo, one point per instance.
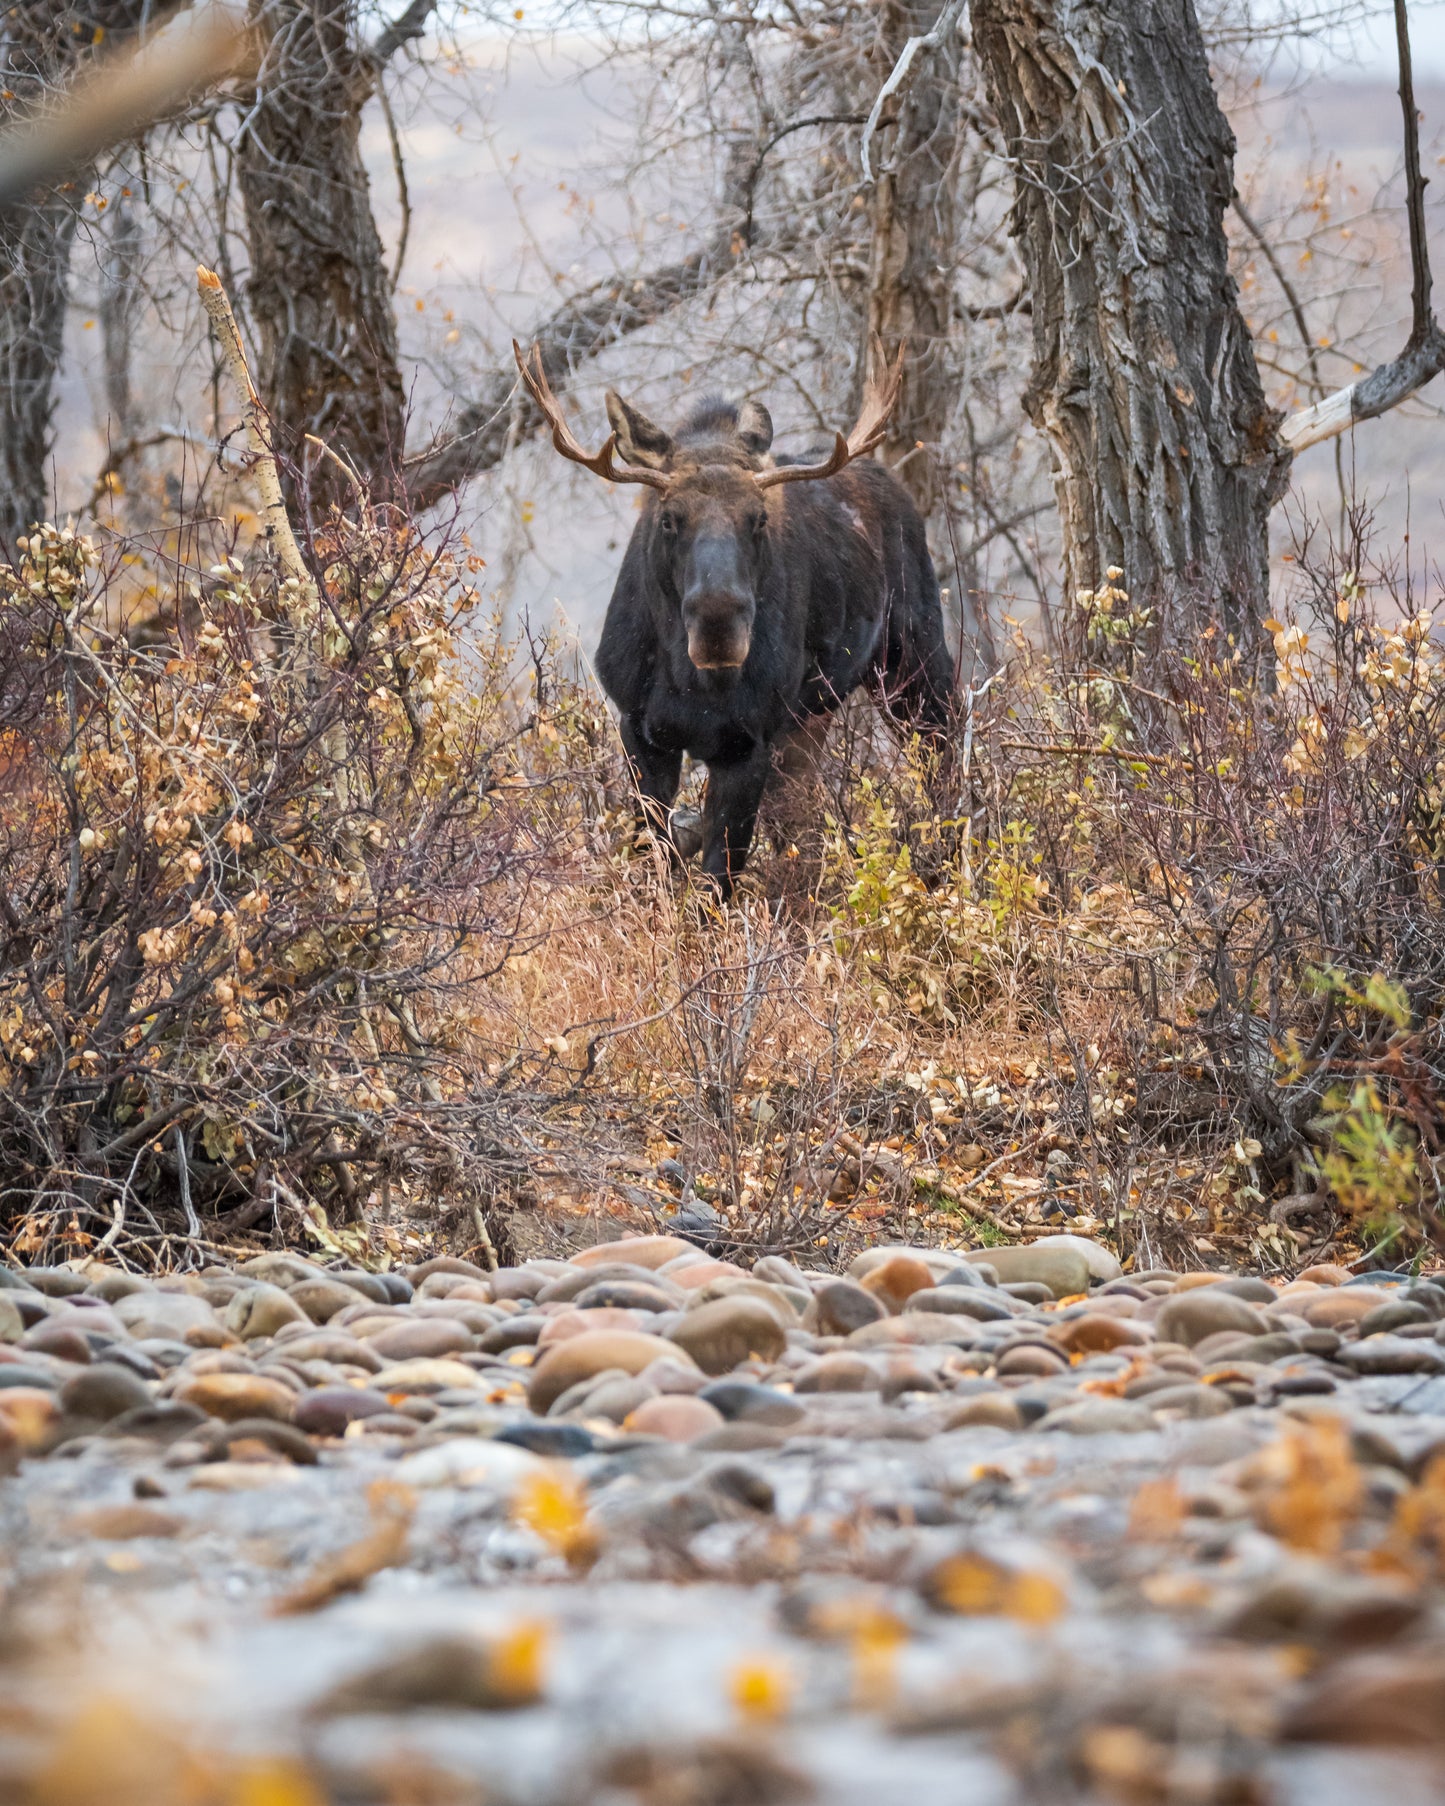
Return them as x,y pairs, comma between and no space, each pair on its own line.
754,596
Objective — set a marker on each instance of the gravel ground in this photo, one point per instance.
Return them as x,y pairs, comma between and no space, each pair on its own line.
991,1526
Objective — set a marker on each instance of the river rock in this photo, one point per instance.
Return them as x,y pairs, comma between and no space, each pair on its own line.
578,1322
1099,1417
1190,1400
12,1324
1392,1354
1098,1333
427,1374
894,1281
993,1410
675,1419
837,1373
723,1335
1190,1316
1342,1308
1385,1318
983,1306
625,1295
102,1392
840,1307
1058,1262
236,1395
422,1338
743,1401
652,1251
334,1346
321,1299
1030,1360
171,1317
59,1341
329,1409
567,1363
260,1310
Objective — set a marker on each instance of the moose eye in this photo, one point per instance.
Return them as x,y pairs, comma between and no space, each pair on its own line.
668,523
758,524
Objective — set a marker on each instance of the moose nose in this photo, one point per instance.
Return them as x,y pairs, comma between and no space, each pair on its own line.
718,629
717,606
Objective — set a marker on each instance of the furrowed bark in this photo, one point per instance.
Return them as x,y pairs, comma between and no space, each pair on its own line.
42,49
1167,459
319,292
913,217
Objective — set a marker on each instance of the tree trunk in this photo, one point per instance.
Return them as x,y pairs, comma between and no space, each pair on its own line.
913,221
319,293
34,289
1166,456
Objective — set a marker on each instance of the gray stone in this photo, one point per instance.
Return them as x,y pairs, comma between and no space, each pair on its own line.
167,1316
1392,1354
840,1307
1100,1417
1056,1261
1189,1317
1392,1316
260,1310
983,1306
103,1392
722,1335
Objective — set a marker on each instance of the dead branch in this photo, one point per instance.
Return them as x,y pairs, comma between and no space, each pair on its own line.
118,101
930,40
268,474
581,329
1424,355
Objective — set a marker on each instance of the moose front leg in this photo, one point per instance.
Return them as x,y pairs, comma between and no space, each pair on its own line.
656,774
729,814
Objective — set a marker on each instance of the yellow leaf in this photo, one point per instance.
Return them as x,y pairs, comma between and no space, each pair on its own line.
761,1689
1034,1598
553,1505
274,1783
517,1668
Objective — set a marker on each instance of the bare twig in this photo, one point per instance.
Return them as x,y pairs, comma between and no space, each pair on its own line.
1424,355
930,40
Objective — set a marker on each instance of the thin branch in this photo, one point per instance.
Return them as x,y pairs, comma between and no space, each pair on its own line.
929,41
268,475
1287,289
402,31
1424,355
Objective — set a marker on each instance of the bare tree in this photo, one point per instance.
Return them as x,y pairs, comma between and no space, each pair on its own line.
1167,457
1165,453
320,295
42,46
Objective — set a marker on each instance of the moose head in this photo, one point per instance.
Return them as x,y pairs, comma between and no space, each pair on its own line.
708,532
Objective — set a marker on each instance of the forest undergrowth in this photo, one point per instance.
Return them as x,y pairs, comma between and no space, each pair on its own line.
323,921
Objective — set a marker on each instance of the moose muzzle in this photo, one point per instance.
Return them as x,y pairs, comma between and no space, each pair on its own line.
717,605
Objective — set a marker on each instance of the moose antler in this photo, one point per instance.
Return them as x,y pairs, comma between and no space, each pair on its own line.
600,463
879,399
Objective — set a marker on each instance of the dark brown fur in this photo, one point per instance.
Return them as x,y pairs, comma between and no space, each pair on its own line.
740,615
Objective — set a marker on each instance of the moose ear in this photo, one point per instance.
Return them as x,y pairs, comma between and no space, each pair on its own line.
639,441
755,427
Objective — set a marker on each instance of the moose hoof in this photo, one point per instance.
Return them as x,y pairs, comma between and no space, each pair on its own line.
685,828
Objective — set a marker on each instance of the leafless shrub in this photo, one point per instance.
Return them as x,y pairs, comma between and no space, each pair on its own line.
253,884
